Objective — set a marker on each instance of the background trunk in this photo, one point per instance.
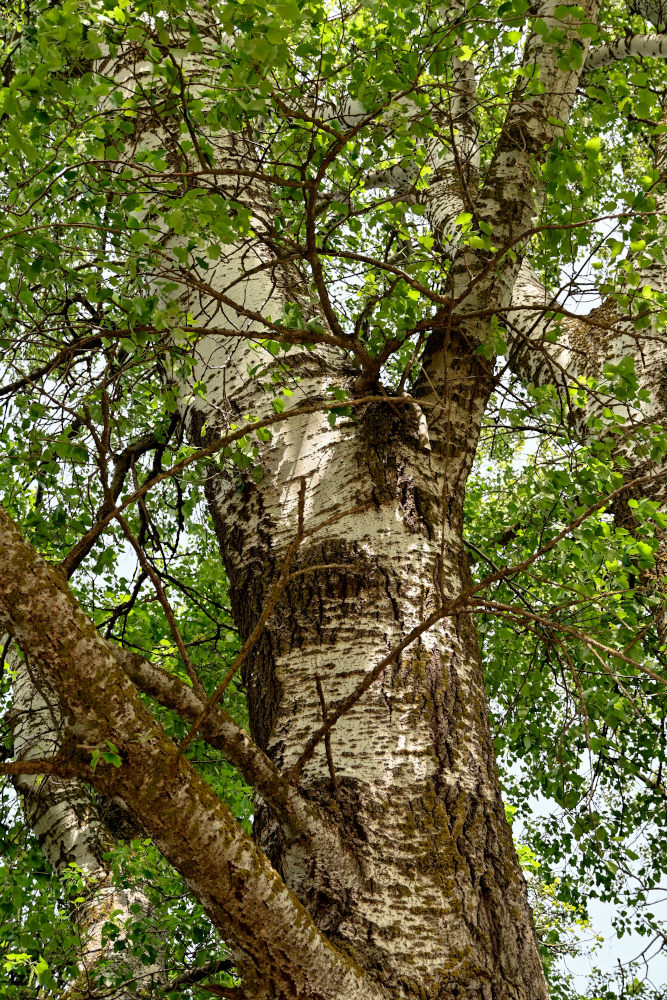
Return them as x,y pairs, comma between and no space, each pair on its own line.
76,836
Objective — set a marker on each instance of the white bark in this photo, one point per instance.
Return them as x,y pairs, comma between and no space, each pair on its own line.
302,821
641,46
74,839
532,323
510,195
413,755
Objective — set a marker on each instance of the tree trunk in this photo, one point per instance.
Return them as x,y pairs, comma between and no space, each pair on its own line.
354,533
368,515
586,347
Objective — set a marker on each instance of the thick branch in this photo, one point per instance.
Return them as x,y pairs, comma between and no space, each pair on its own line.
244,897
512,194
531,326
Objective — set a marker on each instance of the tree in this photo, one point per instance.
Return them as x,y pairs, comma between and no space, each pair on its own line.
299,258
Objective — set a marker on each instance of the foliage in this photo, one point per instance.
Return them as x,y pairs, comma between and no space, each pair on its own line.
569,643
571,721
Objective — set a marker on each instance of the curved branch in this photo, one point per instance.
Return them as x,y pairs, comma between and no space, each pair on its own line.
531,324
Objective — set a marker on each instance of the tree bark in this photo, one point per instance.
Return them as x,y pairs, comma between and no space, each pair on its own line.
354,534
371,519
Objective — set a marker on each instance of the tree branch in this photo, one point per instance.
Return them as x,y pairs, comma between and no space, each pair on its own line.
511,199
531,323
644,46
59,766
242,894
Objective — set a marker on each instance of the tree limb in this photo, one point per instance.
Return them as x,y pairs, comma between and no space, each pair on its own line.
644,46
242,894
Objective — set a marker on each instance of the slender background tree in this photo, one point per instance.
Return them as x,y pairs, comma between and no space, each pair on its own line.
273,276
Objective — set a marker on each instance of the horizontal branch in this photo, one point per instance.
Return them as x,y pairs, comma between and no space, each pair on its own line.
80,347
644,46
196,974
47,765
400,178
548,623
524,564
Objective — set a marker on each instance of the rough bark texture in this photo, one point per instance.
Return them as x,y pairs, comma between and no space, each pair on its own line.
441,910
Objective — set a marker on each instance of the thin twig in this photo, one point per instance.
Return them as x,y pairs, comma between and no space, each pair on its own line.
327,736
166,606
517,612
